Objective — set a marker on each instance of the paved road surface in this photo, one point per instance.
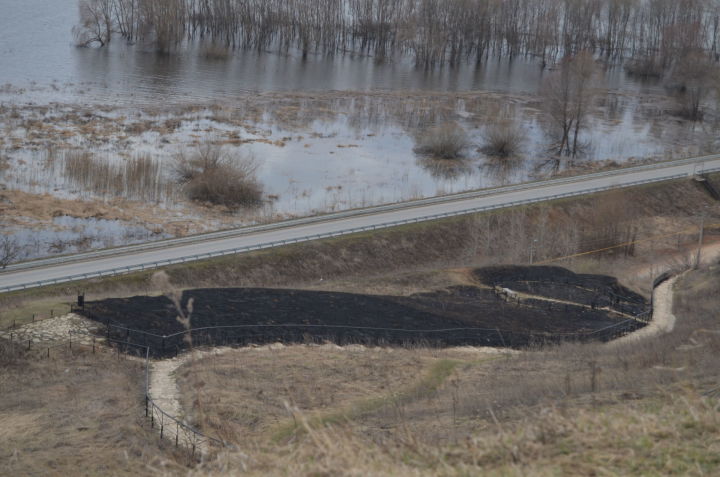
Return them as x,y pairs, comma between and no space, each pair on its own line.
137,257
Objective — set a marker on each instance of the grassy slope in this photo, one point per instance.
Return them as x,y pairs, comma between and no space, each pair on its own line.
541,412
78,414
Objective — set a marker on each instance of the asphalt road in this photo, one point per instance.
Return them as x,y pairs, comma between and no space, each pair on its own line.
129,258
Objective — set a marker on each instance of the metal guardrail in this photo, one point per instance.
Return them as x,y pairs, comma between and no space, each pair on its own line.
232,251
355,212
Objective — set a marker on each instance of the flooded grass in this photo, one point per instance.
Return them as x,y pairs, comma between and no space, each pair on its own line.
136,178
318,153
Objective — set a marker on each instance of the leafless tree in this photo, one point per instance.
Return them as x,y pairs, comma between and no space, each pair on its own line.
694,76
10,250
503,138
568,94
435,32
447,141
96,22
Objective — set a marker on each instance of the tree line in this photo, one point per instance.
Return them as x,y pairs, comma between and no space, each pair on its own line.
652,32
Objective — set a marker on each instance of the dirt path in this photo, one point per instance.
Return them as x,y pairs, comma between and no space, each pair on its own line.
663,319
164,391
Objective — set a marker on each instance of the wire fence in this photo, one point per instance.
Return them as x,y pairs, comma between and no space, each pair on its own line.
144,345
169,427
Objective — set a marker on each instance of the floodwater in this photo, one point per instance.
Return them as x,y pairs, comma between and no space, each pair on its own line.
356,156
37,54
71,235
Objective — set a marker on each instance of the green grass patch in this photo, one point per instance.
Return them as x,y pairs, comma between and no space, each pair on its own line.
428,385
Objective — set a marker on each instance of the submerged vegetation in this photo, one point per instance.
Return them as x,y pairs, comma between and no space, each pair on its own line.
137,177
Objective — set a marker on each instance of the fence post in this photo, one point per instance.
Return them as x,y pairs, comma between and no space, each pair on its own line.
93,345
29,341
48,354
177,432
52,313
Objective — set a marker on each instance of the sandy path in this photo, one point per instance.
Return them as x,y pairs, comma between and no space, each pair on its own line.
663,319
164,391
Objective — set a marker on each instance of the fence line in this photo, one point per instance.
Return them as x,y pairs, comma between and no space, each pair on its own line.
185,435
191,438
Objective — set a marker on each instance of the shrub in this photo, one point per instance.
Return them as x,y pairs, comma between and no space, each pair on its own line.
503,139
443,142
645,67
212,176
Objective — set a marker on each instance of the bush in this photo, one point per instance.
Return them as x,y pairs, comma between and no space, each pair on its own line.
443,142
503,139
645,67
212,176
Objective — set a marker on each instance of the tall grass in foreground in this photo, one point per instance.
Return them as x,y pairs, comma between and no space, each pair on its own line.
139,177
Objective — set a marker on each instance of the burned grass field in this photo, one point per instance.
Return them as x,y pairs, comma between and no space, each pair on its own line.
500,306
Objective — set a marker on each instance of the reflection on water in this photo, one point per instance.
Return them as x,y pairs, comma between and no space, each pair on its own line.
72,234
445,169
36,48
504,171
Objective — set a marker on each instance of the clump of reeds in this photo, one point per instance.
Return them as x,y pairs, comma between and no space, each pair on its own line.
138,177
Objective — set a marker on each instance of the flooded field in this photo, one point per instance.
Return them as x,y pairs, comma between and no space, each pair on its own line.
96,135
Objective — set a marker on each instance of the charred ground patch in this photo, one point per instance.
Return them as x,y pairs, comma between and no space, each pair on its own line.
547,304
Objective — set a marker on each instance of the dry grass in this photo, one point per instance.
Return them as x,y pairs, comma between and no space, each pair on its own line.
247,392
408,259
136,178
75,414
581,410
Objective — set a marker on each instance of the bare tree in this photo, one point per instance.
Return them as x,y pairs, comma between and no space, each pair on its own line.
435,32
693,77
96,22
568,94
10,250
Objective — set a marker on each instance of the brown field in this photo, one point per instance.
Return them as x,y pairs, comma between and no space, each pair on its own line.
646,408
76,413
